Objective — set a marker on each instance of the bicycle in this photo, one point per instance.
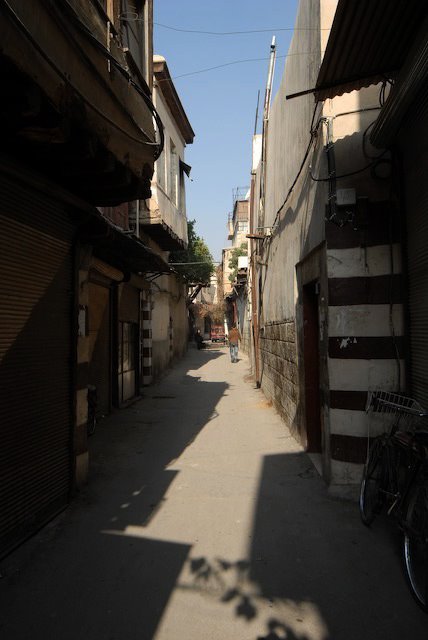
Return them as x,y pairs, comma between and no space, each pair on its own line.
396,477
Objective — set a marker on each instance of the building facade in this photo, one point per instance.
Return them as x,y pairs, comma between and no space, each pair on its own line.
328,295
234,280
80,136
163,221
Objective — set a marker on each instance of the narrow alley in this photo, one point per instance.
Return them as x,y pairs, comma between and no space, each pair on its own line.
203,518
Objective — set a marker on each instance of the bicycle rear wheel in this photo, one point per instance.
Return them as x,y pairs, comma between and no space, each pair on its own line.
371,500
415,546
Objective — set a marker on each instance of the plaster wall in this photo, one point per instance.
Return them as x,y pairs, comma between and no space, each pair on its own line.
298,224
169,323
161,208
305,247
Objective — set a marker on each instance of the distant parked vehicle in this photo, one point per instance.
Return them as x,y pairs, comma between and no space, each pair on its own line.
217,333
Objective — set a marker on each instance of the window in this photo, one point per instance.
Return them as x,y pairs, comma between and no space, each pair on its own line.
242,226
133,31
160,170
173,173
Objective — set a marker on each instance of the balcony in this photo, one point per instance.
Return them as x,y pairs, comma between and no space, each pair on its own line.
164,222
70,106
164,216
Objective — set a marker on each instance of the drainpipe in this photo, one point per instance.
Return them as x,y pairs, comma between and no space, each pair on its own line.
266,110
137,218
254,304
260,212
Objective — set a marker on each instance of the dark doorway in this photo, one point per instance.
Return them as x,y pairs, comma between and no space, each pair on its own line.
312,369
99,373
128,359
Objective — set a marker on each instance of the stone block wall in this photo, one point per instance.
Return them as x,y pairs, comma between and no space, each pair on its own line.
279,375
245,345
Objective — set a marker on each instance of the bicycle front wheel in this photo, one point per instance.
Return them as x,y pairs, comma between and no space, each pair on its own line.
416,544
372,482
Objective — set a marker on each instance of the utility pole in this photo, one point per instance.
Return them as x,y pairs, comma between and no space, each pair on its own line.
266,111
257,213
257,112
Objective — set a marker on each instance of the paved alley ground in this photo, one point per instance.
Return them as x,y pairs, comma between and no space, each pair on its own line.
204,520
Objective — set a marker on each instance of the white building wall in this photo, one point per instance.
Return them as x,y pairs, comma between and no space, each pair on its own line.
169,323
305,247
161,208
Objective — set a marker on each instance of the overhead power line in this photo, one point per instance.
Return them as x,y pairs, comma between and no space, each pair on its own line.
234,33
228,64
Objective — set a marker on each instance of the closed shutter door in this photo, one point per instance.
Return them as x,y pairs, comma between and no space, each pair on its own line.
415,147
35,338
99,341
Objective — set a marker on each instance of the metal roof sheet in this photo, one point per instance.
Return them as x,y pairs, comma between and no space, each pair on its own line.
369,41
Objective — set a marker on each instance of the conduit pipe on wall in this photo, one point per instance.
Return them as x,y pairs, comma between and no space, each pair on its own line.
137,218
266,112
254,303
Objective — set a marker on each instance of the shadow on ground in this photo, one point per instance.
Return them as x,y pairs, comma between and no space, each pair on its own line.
321,572
311,571
73,564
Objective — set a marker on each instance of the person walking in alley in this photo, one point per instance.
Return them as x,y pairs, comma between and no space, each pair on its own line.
234,337
199,340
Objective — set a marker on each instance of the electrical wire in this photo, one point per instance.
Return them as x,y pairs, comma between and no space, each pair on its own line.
357,171
228,64
234,33
64,77
64,27
313,131
123,71
343,175
375,159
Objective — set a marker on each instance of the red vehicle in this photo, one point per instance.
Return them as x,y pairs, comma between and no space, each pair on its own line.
217,333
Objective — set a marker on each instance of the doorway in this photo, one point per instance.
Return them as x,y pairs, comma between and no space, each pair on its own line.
128,359
311,358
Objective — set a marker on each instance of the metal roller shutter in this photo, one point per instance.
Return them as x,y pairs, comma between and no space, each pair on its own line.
36,294
415,152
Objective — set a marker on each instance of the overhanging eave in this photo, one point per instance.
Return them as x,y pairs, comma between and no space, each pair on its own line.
369,42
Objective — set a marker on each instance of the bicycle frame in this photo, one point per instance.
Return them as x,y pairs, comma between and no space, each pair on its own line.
404,460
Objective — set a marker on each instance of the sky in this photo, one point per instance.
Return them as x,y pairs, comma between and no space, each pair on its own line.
221,103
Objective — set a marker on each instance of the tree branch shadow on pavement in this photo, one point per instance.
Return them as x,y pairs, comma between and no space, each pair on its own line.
311,564
311,571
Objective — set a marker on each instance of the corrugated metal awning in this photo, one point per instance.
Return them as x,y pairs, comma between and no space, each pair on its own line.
369,41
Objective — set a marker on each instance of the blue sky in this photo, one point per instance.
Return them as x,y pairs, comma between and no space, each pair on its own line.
220,104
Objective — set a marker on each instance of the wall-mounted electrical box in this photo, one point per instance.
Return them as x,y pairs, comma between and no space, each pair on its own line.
346,197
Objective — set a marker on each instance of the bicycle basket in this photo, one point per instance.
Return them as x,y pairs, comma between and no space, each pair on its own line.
395,408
